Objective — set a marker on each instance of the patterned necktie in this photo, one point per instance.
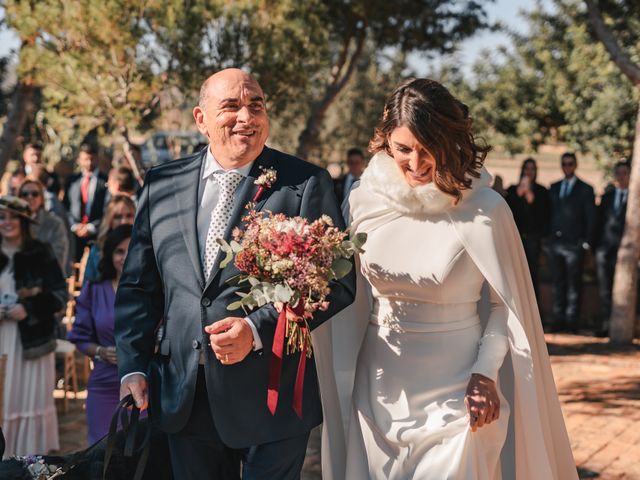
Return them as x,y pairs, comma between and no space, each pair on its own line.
228,182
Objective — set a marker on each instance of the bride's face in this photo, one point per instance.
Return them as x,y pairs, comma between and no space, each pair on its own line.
415,162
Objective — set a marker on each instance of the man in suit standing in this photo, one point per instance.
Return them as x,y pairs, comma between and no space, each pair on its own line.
84,199
207,383
573,218
356,165
609,230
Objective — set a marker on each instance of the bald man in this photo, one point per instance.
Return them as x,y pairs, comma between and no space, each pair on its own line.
206,382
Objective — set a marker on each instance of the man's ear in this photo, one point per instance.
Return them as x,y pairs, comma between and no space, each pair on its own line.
198,115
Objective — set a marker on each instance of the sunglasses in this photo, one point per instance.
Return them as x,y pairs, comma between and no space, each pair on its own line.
29,194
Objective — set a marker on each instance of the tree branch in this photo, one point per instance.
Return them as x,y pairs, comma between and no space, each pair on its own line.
619,57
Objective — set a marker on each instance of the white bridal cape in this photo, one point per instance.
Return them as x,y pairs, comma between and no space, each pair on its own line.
537,445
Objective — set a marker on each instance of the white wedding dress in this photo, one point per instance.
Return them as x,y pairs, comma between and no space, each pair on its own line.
422,343
444,292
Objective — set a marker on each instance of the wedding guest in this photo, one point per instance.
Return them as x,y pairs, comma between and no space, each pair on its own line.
573,218
32,157
32,291
121,210
498,185
609,230
11,180
121,182
451,300
355,165
531,208
92,333
46,227
84,199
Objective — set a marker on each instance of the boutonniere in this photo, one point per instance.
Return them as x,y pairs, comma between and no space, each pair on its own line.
266,180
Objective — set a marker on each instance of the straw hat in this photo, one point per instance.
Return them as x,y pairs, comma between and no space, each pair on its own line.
16,205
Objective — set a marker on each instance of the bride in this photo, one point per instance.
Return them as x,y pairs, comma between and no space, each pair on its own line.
452,379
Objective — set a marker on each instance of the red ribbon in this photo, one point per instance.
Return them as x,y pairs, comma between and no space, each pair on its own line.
275,367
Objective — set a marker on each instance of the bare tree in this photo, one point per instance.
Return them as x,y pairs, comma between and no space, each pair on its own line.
625,284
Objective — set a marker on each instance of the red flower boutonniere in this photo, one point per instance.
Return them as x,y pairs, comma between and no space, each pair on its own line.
264,181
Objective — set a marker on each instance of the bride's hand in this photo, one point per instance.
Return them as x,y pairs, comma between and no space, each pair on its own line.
482,401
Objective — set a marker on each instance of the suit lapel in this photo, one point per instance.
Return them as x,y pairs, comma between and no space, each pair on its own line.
244,194
187,201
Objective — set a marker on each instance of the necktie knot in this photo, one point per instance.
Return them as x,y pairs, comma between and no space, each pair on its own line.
228,182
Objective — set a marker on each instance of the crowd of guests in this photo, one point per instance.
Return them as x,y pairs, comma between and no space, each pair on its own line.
47,228
566,220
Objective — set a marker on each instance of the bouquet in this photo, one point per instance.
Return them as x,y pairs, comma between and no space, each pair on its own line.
289,262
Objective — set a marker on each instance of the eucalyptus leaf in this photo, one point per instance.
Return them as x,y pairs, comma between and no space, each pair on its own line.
226,248
235,305
341,267
235,246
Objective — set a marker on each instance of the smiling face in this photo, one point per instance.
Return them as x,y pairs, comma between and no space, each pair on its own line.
415,162
233,116
10,228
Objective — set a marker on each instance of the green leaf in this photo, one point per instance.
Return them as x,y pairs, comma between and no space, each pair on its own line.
341,267
235,246
235,305
283,293
226,248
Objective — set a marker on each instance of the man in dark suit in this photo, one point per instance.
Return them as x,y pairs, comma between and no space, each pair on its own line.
573,218
84,199
207,383
609,230
356,165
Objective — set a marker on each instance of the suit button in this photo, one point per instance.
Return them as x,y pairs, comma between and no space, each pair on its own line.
196,344
205,302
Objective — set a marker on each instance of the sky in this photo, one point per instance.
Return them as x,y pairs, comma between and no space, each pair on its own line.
505,11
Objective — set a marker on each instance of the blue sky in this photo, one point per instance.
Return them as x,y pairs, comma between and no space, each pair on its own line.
502,10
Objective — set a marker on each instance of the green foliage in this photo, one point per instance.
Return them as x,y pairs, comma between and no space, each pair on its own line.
559,84
106,64
86,57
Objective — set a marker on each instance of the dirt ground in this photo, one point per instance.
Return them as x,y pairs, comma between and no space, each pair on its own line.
599,387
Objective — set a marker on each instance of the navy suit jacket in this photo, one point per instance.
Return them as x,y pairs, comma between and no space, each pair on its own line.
573,219
163,279
610,224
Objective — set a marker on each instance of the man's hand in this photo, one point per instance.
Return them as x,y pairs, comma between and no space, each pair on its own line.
231,339
136,385
16,312
482,401
109,355
82,230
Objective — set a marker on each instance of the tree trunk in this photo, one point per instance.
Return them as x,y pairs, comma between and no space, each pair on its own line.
309,136
19,110
625,283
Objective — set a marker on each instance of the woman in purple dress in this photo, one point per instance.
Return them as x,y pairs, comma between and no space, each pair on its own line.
93,333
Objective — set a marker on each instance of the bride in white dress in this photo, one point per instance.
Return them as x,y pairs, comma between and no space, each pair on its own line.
453,379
